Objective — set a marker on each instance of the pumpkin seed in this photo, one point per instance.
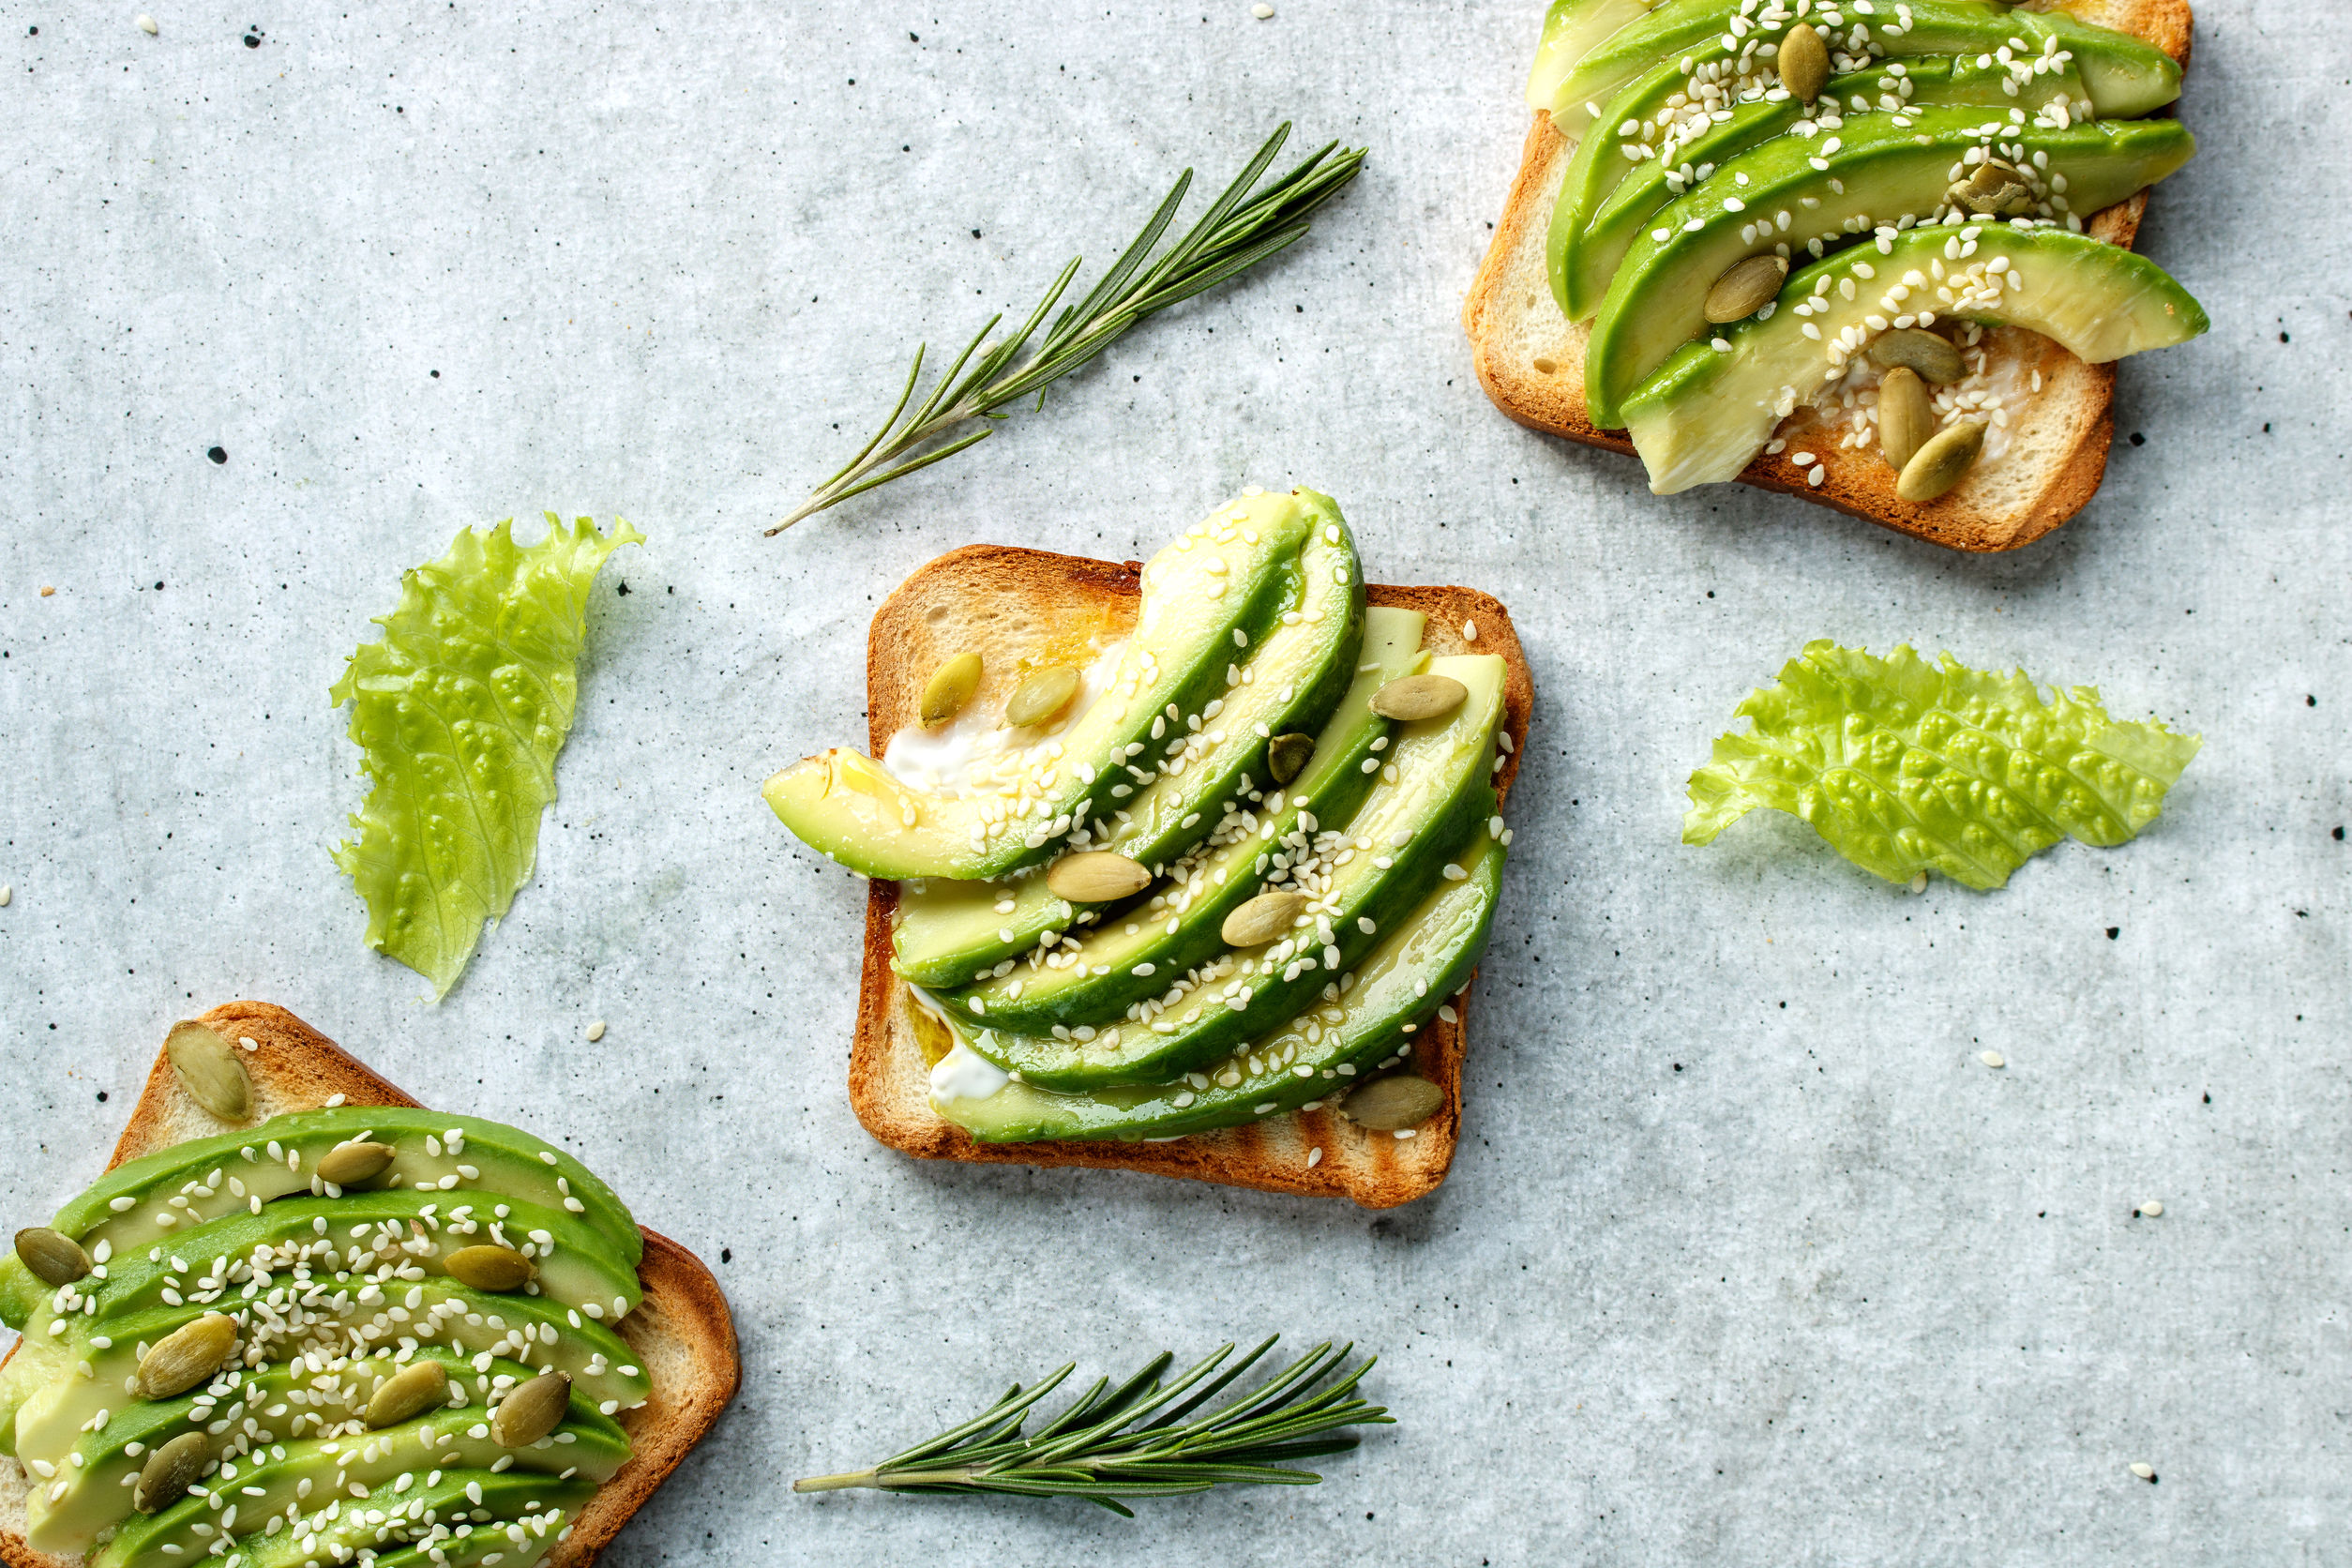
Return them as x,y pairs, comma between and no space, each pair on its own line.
1287,754
1746,289
187,1357
495,1269
1931,356
1040,697
531,1410
1996,189
420,1386
1095,877
950,687
1906,419
1419,697
209,1070
1942,462
170,1472
54,1257
1387,1104
1262,919
1805,63
347,1165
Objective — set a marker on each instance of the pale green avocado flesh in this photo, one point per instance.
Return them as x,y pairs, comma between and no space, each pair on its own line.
1207,598
1881,172
947,932
1392,993
1707,412
329,1291
1607,197
1571,30
1099,971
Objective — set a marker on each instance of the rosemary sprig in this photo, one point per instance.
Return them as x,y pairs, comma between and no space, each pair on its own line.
1136,1441
1241,229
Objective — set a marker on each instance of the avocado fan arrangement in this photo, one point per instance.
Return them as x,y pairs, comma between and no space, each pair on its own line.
1229,882
1840,222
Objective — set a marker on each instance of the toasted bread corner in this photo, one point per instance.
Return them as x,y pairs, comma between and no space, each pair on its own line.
1014,606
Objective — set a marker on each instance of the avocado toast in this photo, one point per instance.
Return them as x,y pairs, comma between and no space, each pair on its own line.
1595,276
527,1369
1143,1037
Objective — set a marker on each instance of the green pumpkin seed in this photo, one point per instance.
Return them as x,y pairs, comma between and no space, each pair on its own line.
54,1257
1040,697
170,1472
1386,1105
1095,877
209,1070
1262,919
1746,289
495,1269
950,687
1905,417
531,1410
347,1165
187,1357
416,1388
1931,356
1942,462
1805,63
1419,697
1287,754
1996,189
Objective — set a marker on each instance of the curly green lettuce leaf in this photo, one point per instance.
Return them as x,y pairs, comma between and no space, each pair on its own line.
1906,766
459,714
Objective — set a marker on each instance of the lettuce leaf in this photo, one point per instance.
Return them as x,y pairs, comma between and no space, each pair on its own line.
459,714
1904,766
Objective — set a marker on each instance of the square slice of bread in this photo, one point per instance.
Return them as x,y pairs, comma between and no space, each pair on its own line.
1022,609
1529,357
682,1331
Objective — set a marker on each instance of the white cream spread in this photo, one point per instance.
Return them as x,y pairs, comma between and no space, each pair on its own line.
964,1074
940,760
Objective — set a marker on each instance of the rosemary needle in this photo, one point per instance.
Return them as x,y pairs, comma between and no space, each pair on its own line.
1242,228
1136,1441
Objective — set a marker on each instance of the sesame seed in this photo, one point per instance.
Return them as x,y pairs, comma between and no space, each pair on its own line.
7,894
147,25
1262,10
1314,1156
595,1031
1919,883
2145,1471
2153,1208
1992,1059
334,1100
1470,631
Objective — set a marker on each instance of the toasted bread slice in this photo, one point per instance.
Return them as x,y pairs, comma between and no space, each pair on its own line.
1530,358
682,1331
1010,605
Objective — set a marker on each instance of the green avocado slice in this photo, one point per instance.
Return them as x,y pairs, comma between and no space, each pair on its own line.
1434,793
1207,597
148,1201
1395,989
1571,30
1707,413
249,1413
1103,971
1883,172
467,1515
1615,182
301,1307
947,932
370,1466
2126,76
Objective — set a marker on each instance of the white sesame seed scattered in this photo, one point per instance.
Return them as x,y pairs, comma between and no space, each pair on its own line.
333,1100
1404,1133
1262,10
147,25
249,1042
6,893
1314,1156
2145,1471
1470,631
1992,1059
595,1031
2153,1208
1919,883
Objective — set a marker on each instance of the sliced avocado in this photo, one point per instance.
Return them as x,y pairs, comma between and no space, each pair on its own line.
2126,76
1213,592
355,1466
1104,970
1571,30
148,1201
1619,179
1385,860
1883,172
467,1514
281,1399
58,1397
1390,993
1704,416
949,932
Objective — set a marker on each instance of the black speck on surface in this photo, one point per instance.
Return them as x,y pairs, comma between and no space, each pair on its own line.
2114,932
726,1255
2281,336
975,234
217,454
2311,700
2138,440
623,590
2339,834
159,587
252,41
436,375
101,1096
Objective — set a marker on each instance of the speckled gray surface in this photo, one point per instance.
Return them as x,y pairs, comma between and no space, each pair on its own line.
1746,1259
